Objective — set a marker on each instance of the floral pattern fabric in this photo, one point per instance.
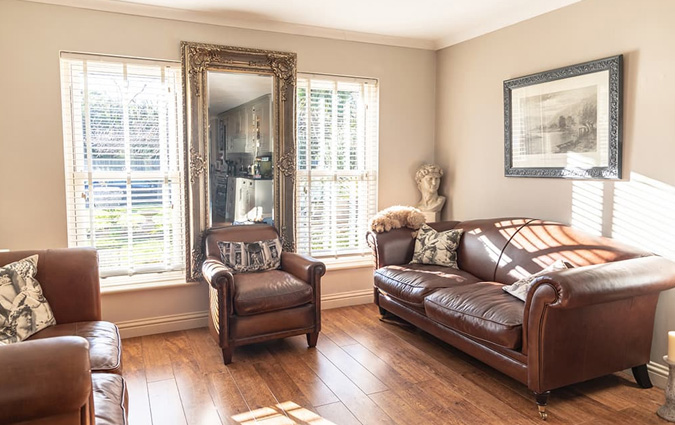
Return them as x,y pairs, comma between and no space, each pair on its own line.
439,248
244,257
23,308
520,288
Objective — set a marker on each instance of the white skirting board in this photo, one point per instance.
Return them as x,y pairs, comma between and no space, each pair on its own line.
179,322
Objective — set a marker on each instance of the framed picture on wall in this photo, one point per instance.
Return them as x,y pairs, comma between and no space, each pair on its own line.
565,123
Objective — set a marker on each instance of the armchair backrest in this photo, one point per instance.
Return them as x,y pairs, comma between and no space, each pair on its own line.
69,280
244,233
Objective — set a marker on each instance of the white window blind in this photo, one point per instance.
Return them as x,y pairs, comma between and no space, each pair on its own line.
123,157
336,191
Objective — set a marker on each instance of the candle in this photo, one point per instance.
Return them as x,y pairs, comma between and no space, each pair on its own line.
671,346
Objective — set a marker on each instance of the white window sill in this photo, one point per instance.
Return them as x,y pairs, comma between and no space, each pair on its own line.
119,284
345,263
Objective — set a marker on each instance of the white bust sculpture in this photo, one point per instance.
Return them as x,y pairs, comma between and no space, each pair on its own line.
428,178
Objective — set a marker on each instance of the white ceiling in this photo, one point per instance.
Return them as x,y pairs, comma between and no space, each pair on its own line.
227,89
426,24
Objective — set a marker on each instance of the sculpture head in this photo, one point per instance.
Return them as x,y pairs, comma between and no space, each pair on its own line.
428,178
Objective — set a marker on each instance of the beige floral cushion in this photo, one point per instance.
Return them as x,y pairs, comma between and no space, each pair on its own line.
439,248
520,288
23,309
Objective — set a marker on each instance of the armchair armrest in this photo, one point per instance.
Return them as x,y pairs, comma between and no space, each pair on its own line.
44,378
216,273
601,283
303,267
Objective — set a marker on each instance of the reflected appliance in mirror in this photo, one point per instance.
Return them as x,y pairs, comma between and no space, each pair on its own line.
241,147
239,133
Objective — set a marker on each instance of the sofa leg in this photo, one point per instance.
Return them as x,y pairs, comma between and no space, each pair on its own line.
312,338
227,355
642,376
383,312
542,400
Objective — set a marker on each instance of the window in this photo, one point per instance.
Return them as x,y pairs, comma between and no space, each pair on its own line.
123,157
337,164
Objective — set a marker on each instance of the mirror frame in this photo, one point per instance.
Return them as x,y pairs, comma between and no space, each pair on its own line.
197,59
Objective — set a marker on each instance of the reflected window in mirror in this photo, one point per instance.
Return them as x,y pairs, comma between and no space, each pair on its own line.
336,191
241,147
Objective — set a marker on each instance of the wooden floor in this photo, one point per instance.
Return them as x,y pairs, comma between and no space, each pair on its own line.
363,371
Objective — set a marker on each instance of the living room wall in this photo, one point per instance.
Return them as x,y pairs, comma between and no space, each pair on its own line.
32,186
470,125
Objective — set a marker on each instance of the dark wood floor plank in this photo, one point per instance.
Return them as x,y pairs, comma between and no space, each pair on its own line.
165,403
366,381
156,360
410,377
338,414
227,398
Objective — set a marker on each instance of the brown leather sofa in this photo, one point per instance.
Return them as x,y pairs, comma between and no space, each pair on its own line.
70,373
577,324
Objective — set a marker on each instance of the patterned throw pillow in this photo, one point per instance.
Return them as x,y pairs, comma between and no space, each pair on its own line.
520,288
23,309
439,248
257,256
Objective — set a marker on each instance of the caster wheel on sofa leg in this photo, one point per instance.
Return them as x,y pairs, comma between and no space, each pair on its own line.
542,400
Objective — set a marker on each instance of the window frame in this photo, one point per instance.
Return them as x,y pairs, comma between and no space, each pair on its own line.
362,257
125,278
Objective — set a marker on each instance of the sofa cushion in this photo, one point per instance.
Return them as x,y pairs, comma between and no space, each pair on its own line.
243,257
521,288
23,308
104,342
481,310
439,248
256,293
410,283
110,399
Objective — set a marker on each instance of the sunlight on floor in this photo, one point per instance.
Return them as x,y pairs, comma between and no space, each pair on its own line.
277,415
644,214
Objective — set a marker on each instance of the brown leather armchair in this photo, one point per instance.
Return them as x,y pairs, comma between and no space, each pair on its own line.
246,308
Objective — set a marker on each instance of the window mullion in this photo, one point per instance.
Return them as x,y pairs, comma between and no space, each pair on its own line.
308,162
127,167
90,162
334,167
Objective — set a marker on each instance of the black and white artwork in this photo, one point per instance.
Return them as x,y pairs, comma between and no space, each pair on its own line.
565,123
243,257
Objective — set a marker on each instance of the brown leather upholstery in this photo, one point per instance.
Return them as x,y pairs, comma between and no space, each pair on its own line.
253,307
103,338
110,399
272,290
481,310
541,243
576,324
48,378
411,283
45,380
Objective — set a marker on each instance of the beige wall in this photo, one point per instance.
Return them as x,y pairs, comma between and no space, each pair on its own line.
32,187
470,120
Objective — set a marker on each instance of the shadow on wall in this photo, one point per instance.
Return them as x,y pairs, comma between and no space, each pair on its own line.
639,212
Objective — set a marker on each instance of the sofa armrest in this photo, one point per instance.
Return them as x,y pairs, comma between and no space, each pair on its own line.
583,323
602,283
303,267
44,378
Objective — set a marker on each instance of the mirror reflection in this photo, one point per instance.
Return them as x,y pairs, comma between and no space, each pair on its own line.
240,148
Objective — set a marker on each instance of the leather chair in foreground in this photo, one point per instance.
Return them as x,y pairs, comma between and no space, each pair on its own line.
70,373
246,308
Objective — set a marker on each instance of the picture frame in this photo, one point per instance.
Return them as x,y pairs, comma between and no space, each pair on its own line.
565,123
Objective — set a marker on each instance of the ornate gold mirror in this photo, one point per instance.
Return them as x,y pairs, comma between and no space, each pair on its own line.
240,139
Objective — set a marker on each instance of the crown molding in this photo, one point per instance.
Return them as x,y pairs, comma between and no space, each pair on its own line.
212,18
